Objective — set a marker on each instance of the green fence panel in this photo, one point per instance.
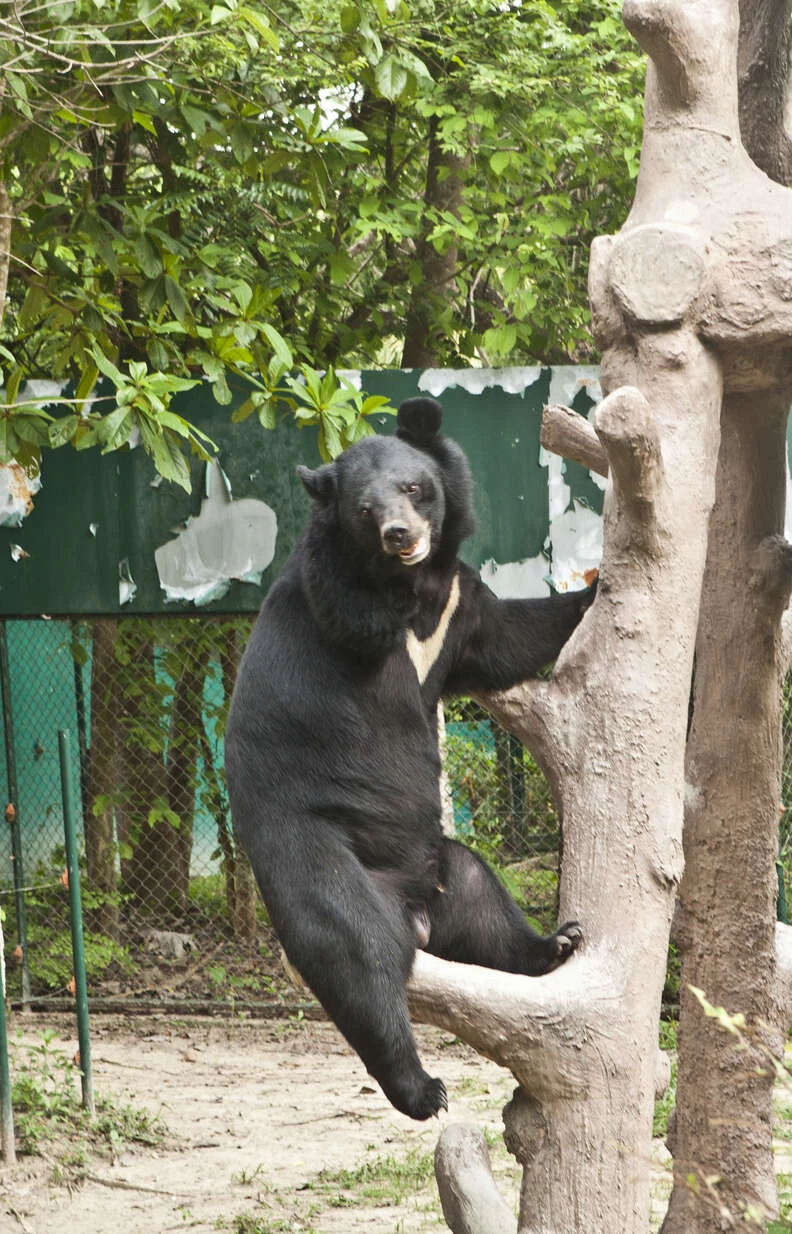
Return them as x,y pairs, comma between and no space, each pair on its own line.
88,545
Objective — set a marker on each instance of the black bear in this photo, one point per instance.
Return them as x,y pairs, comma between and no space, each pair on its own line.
332,750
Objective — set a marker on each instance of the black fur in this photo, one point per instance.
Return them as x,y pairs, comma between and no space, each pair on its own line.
331,746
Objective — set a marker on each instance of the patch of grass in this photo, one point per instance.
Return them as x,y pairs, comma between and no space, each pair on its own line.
383,1181
48,1113
664,1105
248,1223
784,1184
667,1037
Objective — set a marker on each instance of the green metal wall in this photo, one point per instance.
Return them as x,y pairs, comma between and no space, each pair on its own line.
95,516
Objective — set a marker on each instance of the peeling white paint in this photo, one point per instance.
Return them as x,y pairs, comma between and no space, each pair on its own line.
127,587
574,543
229,540
567,381
17,490
575,530
517,580
513,380
575,538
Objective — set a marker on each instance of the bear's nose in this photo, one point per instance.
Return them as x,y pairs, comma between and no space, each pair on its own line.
393,535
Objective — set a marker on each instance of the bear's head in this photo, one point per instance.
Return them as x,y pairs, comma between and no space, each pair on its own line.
388,499
394,496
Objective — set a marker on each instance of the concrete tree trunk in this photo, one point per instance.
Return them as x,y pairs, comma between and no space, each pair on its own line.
724,1171
692,307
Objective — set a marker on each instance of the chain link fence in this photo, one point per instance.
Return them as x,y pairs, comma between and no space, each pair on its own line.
172,916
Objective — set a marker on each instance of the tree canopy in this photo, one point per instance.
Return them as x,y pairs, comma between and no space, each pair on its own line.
276,190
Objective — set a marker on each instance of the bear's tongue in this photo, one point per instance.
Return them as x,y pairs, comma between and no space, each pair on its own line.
413,550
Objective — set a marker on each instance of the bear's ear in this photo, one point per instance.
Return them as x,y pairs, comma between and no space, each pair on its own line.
419,420
321,483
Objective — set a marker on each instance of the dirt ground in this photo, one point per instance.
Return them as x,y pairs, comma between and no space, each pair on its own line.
261,1118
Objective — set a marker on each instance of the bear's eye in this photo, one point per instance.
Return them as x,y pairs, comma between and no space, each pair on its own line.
412,489
365,511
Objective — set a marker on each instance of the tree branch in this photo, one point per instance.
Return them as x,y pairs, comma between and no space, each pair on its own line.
469,1196
627,430
569,434
534,1026
690,43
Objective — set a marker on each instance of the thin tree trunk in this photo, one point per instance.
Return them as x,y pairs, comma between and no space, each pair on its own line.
444,192
723,1161
6,220
100,849
763,66
151,872
184,745
241,890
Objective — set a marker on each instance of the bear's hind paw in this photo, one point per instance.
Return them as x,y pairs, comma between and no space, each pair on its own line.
564,942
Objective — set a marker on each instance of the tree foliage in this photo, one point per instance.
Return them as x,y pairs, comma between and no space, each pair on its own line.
255,191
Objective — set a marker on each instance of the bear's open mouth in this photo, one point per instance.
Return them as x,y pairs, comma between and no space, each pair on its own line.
415,552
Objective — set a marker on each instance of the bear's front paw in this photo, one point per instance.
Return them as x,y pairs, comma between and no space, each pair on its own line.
566,939
434,1099
421,1099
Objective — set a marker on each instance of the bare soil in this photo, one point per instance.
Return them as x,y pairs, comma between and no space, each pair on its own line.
261,1119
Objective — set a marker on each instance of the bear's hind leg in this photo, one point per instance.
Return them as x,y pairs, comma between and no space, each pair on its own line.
474,920
354,946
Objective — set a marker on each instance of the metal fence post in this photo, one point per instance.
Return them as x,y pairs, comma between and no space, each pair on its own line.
12,811
75,906
6,1110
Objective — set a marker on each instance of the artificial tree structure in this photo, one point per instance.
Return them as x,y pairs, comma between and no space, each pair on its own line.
692,308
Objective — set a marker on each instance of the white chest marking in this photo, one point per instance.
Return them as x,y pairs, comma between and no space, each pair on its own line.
424,652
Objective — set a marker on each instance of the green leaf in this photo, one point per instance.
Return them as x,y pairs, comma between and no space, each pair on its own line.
391,78
32,427
261,26
148,256
107,367
330,439
243,411
33,306
220,389
115,428
279,345
145,121
350,18
13,382
176,298
268,413
243,294
62,430
376,402
500,160
241,142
